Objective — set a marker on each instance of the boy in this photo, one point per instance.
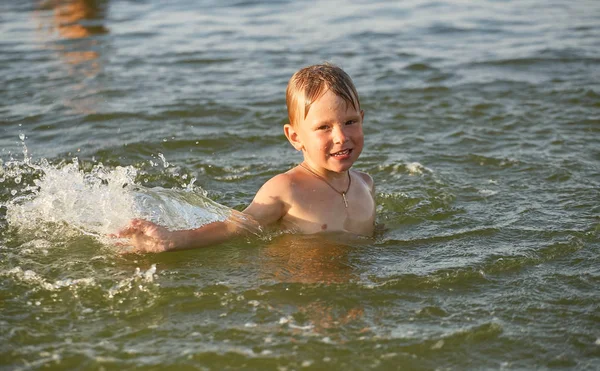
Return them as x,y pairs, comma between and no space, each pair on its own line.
321,194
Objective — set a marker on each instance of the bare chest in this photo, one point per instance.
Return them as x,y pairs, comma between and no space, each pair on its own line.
321,209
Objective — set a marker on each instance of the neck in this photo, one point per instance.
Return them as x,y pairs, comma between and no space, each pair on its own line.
327,174
340,192
335,180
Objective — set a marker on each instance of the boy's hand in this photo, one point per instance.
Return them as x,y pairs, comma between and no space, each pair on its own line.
146,236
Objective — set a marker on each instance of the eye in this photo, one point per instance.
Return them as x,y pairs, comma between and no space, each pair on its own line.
350,122
323,127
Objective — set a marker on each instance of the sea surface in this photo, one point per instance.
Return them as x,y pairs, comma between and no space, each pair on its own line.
482,132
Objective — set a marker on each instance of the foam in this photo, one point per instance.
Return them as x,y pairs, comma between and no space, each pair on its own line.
31,277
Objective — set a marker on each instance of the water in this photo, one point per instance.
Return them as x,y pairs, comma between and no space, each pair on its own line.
481,132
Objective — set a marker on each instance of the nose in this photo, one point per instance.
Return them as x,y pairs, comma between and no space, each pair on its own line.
339,134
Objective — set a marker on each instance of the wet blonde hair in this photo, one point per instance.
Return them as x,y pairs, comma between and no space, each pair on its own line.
308,84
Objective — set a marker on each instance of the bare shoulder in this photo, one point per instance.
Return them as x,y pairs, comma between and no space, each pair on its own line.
277,190
272,200
366,178
278,186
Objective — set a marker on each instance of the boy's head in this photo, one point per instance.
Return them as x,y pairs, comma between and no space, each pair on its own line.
325,118
310,83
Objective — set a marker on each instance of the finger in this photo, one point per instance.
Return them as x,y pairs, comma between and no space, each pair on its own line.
126,232
135,226
141,224
136,222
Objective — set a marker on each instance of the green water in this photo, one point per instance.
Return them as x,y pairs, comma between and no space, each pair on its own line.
482,124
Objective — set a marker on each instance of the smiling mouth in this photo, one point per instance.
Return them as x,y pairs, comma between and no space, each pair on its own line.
344,152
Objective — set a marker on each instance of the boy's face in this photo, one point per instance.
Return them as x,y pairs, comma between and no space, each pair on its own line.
331,136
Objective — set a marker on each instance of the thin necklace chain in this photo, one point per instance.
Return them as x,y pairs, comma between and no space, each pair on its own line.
341,193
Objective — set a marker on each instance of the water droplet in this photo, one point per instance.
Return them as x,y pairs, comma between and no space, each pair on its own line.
164,160
22,136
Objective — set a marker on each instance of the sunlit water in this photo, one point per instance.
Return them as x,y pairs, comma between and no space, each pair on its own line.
482,127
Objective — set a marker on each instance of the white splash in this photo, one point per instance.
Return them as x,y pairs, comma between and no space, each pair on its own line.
487,192
412,168
96,202
415,168
164,160
32,277
57,199
127,284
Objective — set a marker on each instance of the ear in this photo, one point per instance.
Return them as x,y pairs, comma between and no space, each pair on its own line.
292,135
362,115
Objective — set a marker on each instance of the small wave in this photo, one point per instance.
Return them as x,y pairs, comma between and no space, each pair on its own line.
477,333
32,278
482,160
431,311
464,233
445,29
419,67
456,339
204,61
411,168
442,278
436,204
487,192
416,168
480,272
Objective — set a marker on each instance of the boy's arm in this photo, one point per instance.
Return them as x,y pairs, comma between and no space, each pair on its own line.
271,202
266,209
146,236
